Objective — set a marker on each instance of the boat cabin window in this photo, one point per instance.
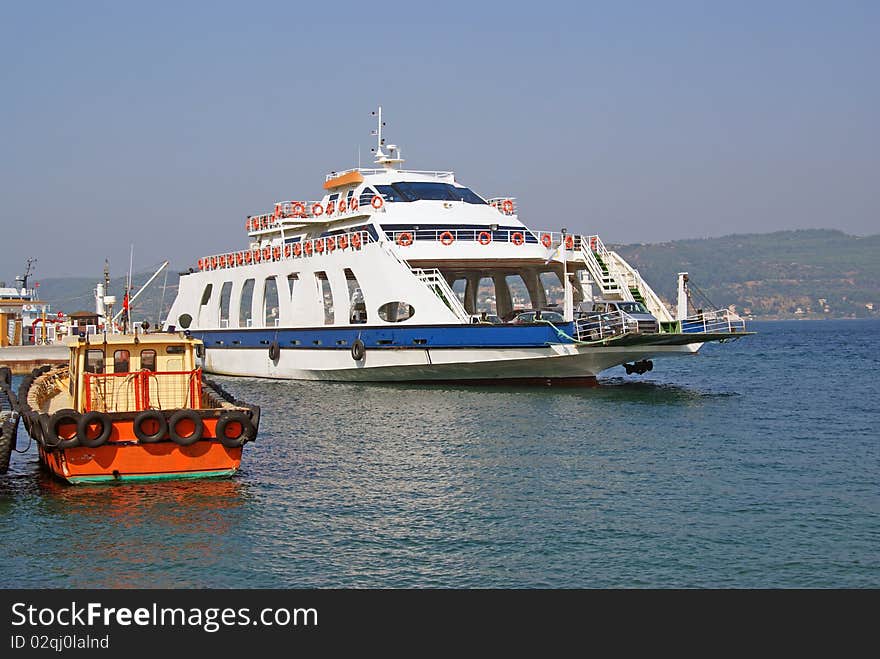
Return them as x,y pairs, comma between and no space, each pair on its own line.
247,296
396,312
94,361
175,350
206,295
357,308
121,361
148,360
225,298
326,295
270,303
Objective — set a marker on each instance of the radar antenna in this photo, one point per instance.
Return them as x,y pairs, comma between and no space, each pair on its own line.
393,157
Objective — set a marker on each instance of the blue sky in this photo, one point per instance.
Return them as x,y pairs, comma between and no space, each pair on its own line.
164,124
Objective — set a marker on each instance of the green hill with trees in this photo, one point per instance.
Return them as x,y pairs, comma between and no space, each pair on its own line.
816,273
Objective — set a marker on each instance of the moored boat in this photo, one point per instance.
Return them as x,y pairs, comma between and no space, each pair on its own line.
134,407
402,275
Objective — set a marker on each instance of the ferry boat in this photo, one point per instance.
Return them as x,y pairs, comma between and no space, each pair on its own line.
401,275
134,407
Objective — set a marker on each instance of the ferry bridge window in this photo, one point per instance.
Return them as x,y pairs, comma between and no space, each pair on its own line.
416,191
148,360
366,196
94,361
270,303
292,278
121,361
225,297
247,297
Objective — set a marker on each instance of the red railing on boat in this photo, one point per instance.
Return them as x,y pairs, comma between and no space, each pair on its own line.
143,390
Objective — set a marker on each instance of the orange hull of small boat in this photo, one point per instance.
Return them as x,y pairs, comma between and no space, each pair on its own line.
124,458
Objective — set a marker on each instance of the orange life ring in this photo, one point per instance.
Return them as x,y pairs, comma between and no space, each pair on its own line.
258,256
308,248
299,209
546,240
230,259
353,204
569,242
404,239
317,210
331,243
343,241
484,238
331,205
239,258
287,251
267,253
264,222
356,240
446,238
277,253
517,238
507,206
319,245
342,205
201,264
213,262
377,202
248,257
297,249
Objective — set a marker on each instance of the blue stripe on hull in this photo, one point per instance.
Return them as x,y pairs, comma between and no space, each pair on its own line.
431,336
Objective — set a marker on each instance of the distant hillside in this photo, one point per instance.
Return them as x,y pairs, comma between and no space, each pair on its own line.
789,274
78,294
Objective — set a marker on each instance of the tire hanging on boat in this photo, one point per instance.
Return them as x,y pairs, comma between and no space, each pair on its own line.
150,426
274,351
83,429
234,429
181,438
358,350
53,429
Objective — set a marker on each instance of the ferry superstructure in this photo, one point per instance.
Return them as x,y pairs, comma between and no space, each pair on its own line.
383,277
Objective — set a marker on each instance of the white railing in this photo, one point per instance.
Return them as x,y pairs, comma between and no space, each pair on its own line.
298,212
434,280
598,326
483,236
353,240
716,321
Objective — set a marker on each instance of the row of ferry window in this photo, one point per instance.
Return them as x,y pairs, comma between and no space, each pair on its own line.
392,312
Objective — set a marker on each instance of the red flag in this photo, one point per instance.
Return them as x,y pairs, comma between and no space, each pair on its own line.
125,301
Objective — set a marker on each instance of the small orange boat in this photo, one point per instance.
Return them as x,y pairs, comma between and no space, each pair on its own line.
134,407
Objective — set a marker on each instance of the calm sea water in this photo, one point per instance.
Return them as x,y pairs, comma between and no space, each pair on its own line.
753,464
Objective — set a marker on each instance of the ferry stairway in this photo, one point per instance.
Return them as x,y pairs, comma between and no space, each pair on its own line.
600,273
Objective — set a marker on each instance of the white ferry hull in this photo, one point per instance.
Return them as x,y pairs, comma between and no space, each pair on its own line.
558,362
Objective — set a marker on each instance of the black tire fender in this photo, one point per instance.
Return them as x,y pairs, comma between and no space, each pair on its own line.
247,429
86,420
66,416
358,350
274,351
196,420
145,437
